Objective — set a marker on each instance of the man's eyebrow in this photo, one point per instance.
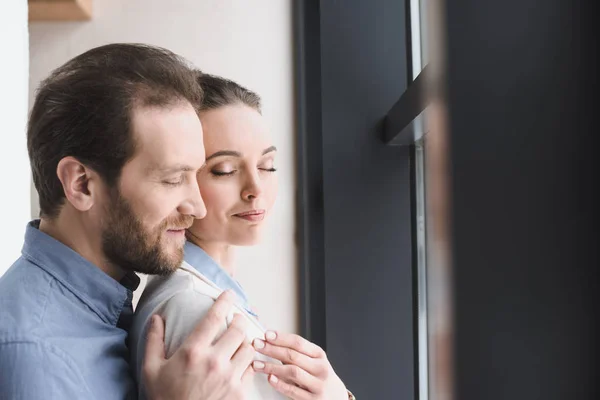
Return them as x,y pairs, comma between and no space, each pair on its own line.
270,149
224,153
169,169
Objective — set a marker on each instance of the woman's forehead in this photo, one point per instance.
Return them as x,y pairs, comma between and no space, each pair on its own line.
238,128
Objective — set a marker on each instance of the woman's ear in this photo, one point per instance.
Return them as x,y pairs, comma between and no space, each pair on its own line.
80,183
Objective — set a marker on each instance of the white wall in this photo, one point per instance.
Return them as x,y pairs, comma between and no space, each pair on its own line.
247,41
14,163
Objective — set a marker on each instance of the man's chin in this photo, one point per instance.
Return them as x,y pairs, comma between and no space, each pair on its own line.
169,261
167,267
173,257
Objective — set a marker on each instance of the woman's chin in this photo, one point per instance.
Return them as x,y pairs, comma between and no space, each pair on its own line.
247,240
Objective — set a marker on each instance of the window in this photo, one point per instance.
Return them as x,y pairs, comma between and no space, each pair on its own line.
419,58
421,254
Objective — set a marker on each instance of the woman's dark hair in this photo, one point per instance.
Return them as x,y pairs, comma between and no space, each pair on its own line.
84,110
219,92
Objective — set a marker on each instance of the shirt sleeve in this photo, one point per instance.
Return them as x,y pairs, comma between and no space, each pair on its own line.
33,370
182,313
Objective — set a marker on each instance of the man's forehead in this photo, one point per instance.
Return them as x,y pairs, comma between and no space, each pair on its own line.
169,140
170,157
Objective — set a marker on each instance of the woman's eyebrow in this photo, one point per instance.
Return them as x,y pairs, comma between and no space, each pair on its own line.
270,149
224,153
231,153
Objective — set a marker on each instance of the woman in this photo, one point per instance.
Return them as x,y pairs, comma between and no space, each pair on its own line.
239,186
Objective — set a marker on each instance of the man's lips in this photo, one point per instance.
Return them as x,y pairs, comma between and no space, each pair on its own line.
252,215
178,232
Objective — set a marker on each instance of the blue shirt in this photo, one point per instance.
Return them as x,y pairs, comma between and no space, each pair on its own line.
63,326
203,263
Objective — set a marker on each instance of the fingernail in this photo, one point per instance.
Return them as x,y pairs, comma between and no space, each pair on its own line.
273,379
270,335
258,365
259,344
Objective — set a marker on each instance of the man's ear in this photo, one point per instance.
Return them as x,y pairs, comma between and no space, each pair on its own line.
81,184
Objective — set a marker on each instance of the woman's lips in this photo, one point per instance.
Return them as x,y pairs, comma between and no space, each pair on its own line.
252,216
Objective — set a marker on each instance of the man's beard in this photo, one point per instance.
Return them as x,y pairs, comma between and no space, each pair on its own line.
130,246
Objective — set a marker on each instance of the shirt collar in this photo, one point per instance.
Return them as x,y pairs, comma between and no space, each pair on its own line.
103,294
203,263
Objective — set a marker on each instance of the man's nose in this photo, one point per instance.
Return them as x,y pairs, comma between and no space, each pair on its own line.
193,204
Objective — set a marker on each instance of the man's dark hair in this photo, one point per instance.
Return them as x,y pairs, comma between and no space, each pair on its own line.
84,109
219,92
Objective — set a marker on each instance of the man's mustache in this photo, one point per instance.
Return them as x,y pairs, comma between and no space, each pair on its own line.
182,222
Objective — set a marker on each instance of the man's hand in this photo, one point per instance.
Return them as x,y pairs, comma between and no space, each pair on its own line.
202,368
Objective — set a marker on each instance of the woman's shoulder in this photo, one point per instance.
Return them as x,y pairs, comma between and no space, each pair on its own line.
163,288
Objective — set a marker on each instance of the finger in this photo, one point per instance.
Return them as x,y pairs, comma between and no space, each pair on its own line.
234,336
242,359
289,390
295,342
289,356
155,346
206,331
247,377
290,373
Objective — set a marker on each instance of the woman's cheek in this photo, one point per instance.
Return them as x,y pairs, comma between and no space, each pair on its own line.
209,196
218,197
272,191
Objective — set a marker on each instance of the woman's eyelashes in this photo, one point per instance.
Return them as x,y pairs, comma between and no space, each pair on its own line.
267,165
218,172
272,169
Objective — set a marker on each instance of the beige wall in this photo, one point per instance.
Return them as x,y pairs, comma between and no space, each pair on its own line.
14,163
248,41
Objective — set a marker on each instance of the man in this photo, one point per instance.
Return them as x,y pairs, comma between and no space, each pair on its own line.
115,145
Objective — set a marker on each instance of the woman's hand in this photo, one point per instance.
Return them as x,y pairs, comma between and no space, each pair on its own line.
305,374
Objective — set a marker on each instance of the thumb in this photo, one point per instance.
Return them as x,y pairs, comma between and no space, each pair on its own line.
155,346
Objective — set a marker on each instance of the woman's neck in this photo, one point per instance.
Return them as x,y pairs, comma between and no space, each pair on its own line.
221,252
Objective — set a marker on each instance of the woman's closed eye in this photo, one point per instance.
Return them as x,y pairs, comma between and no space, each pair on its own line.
217,172
271,169
229,170
267,165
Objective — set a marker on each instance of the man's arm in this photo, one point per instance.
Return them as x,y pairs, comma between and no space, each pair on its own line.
31,369
202,367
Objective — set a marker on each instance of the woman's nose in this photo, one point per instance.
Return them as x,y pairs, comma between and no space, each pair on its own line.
253,189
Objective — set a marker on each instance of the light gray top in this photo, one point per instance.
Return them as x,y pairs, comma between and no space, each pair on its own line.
183,299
